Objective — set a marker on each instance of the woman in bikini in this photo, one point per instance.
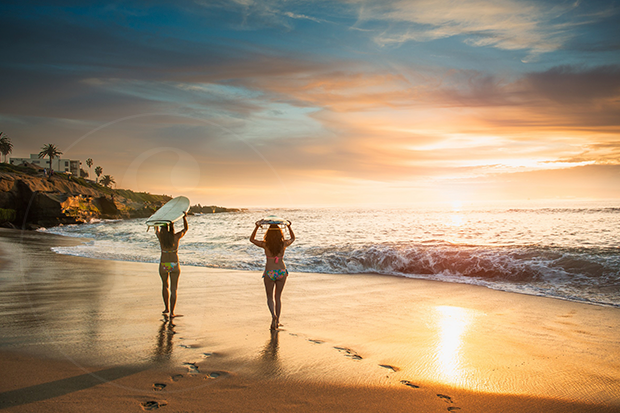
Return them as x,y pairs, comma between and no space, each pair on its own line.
274,276
169,262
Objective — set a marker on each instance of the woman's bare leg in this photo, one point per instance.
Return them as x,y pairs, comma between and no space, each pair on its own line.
174,282
269,286
279,288
164,288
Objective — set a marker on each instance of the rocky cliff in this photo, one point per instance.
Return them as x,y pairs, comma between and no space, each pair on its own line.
29,199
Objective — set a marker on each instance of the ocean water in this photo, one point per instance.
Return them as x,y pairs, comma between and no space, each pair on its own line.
567,250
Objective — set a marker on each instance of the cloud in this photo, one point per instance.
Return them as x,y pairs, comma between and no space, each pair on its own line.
561,97
257,14
536,27
328,117
301,16
65,69
571,85
592,181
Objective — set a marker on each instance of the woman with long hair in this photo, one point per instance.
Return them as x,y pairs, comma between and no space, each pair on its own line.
274,276
169,263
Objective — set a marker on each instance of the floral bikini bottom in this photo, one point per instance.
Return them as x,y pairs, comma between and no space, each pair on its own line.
169,266
276,275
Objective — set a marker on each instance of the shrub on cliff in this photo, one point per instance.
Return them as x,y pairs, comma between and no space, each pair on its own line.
7,215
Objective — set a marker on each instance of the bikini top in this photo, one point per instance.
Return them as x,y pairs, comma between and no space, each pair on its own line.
169,251
276,258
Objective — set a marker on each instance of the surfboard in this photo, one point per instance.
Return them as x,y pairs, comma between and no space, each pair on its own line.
172,211
273,219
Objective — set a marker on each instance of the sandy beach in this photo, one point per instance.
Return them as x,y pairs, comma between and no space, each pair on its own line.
84,334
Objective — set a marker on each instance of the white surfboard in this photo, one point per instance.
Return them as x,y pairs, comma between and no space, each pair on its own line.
172,211
273,219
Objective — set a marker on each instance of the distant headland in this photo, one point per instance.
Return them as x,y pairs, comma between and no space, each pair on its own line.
31,198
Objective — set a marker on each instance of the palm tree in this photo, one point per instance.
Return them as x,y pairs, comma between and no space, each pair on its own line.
98,171
49,150
107,180
89,162
6,146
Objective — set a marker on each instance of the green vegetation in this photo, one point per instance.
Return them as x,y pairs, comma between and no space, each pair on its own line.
107,180
140,197
89,163
98,171
7,215
6,167
51,151
6,146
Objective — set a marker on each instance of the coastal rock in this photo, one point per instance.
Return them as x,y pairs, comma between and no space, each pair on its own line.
210,209
83,208
30,200
33,207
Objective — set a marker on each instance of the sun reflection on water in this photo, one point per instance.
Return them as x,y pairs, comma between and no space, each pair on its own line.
453,322
456,220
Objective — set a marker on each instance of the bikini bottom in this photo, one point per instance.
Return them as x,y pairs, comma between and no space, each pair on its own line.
169,266
276,275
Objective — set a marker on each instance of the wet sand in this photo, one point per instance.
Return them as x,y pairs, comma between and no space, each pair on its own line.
82,334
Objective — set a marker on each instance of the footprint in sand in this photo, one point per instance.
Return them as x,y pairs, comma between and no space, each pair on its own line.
349,353
159,386
387,366
152,404
316,341
207,355
410,384
216,374
451,409
176,377
447,399
192,368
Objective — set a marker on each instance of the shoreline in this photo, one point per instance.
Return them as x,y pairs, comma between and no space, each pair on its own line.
400,276
345,336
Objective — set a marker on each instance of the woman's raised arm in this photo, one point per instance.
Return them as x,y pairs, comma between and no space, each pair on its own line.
290,231
253,239
185,227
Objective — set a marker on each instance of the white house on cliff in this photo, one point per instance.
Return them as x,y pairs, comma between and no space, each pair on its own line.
58,164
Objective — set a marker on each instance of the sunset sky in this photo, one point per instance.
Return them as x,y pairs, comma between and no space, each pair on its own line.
315,103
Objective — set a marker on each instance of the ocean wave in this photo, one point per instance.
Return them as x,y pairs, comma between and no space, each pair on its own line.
585,275
572,255
607,210
575,274
514,264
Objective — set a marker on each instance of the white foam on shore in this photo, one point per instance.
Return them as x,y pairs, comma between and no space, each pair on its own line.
510,250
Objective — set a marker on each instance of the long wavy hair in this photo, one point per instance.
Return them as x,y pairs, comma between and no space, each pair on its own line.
274,238
167,236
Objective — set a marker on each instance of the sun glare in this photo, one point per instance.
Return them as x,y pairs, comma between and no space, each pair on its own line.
453,323
456,205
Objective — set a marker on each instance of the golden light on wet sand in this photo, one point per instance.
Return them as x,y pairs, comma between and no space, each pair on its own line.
453,323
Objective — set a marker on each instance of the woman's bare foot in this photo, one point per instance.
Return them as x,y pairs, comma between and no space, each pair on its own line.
274,324
165,311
